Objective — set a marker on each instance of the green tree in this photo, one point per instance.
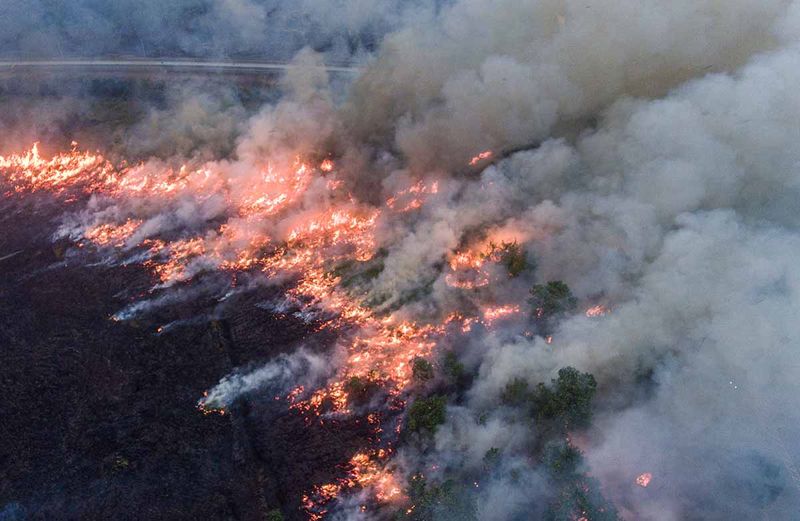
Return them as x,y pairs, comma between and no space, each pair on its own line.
421,369
274,515
491,458
447,501
361,389
453,369
426,414
550,302
516,392
576,494
552,298
513,258
568,399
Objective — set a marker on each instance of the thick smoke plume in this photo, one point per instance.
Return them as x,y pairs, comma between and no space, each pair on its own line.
644,152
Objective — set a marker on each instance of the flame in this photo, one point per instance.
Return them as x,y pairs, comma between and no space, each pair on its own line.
644,479
326,165
412,198
469,267
29,172
291,221
486,154
597,311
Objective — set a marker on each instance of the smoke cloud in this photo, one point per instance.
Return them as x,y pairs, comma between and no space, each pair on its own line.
645,153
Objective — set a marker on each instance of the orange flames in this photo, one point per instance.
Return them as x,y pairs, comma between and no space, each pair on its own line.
597,311
644,479
289,220
486,154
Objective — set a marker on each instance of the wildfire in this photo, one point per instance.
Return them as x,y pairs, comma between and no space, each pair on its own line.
469,268
293,221
29,172
326,165
644,479
597,311
486,154
413,197
112,235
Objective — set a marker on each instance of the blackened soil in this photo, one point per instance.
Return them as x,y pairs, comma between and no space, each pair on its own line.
99,418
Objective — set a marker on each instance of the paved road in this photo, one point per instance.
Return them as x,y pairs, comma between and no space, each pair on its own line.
167,64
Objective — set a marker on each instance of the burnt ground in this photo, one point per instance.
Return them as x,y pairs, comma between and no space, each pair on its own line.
99,418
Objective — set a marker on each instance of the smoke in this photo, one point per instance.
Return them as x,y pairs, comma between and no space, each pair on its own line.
261,29
284,371
647,155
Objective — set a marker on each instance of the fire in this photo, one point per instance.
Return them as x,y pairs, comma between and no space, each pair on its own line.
412,198
491,315
486,154
326,165
112,235
292,221
29,172
469,267
644,479
597,311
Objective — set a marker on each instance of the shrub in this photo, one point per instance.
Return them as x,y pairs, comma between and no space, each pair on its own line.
274,515
569,398
421,369
426,414
516,392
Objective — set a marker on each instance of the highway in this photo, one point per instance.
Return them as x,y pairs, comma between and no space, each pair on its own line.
162,64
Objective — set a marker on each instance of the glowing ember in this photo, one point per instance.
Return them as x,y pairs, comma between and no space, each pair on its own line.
492,314
28,172
326,165
644,479
486,154
412,198
597,311
292,222
112,235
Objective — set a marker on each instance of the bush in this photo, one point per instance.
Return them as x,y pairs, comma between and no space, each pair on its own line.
514,258
274,515
361,389
448,501
426,414
453,369
568,399
516,392
577,495
552,299
491,458
421,369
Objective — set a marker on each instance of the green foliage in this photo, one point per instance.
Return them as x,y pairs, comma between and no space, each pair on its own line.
453,369
516,392
568,399
274,515
360,389
552,299
448,501
354,274
577,495
421,369
513,258
426,414
491,458
120,464
562,460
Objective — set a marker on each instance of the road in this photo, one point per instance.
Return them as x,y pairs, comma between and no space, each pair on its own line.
163,64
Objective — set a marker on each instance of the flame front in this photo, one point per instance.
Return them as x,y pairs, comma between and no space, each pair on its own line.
294,222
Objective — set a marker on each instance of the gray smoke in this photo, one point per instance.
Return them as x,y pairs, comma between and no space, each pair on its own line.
661,176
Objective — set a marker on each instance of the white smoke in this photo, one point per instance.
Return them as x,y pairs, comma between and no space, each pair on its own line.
286,370
664,180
